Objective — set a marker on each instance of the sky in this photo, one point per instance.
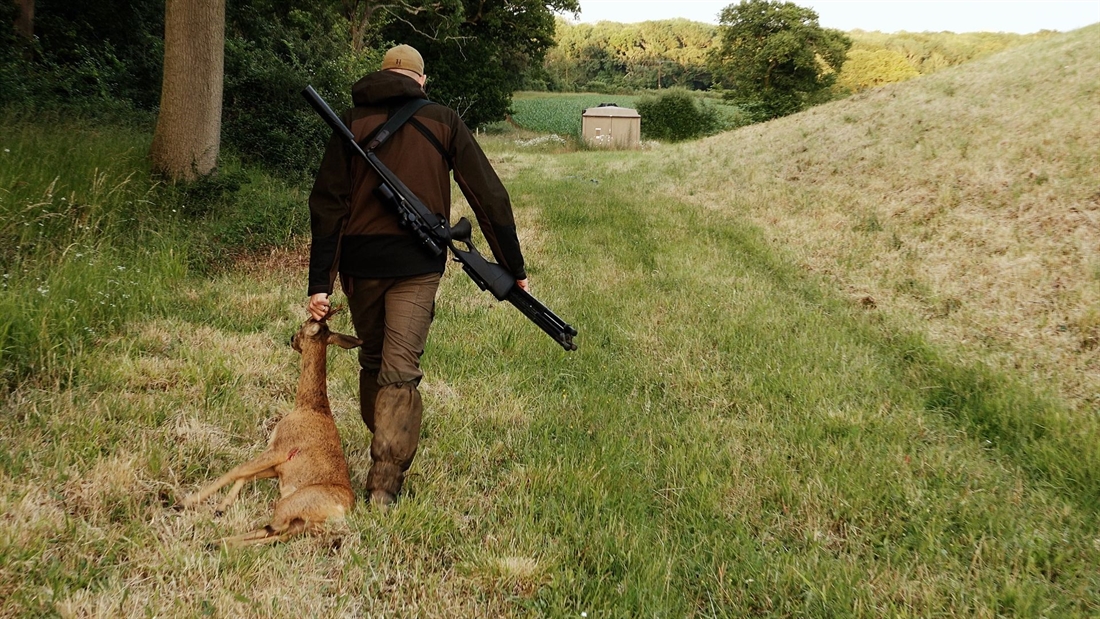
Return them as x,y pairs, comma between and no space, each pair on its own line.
1021,16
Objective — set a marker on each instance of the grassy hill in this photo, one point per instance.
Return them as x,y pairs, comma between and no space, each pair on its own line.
818,375
967,201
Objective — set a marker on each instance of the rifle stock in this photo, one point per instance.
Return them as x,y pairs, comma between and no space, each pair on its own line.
435,234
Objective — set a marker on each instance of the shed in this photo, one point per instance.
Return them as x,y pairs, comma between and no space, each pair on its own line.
610,125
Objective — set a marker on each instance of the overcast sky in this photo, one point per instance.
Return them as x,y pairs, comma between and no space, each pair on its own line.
1021,16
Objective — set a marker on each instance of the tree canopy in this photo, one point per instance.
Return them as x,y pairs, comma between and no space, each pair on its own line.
476,52
613,56
774,58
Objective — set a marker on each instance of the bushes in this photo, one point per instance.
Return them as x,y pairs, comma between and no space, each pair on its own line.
268,61
676,115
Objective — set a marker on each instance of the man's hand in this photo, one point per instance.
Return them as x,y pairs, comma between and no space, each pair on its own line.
318,306
522,283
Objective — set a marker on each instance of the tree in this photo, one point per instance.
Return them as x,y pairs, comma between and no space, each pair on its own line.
188,131
476,52
774,58
24,25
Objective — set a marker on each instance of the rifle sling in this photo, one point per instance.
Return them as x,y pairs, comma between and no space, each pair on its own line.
402,115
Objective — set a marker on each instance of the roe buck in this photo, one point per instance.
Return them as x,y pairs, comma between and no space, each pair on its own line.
304,451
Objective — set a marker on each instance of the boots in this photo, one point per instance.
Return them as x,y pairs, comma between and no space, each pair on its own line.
395,418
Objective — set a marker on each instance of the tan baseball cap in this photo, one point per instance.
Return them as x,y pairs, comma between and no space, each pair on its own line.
404,57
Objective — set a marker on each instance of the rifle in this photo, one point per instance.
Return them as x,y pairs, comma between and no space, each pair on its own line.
436,234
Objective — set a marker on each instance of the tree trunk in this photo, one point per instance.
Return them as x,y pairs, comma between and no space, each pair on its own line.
24,24
188,132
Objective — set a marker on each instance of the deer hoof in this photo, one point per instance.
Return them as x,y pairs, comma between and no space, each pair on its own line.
381,499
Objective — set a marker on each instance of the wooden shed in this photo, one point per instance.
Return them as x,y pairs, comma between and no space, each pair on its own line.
610,125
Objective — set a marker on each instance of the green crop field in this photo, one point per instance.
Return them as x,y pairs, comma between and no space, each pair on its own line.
559,113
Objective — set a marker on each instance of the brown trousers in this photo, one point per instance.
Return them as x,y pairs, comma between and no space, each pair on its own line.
392,317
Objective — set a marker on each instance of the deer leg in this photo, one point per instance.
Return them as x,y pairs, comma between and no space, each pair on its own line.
299,512
253,469
231,496
266,535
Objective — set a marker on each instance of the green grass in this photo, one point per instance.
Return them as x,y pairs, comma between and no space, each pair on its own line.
88,240
66,192
734,437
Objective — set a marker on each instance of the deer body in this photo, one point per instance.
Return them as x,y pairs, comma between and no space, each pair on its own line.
304,452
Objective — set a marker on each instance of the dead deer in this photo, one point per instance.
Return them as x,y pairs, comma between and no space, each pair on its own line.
304,451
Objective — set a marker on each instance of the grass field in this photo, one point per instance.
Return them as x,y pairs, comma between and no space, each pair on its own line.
822,372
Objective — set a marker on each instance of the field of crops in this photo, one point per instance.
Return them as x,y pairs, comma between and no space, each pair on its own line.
559,113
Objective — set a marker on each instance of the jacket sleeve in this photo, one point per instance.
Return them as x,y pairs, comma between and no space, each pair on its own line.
328,213
489,200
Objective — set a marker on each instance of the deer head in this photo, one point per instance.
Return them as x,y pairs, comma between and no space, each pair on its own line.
317,332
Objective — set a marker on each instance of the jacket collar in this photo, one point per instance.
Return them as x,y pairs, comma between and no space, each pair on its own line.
380,86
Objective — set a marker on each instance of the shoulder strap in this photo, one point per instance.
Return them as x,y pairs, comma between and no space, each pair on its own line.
399,117
428,135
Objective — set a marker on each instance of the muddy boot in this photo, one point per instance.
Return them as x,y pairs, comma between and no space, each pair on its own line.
397,416
368,395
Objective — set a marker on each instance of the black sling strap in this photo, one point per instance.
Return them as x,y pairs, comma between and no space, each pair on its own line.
419,126
403,114
400,117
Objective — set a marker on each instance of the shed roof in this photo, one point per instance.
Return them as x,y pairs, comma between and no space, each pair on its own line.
611,110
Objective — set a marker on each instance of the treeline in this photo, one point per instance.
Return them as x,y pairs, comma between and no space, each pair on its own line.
610,56
617,57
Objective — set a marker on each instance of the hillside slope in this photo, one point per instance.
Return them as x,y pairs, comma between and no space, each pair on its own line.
967,202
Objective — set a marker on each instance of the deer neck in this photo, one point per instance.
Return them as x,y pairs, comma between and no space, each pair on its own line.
313,381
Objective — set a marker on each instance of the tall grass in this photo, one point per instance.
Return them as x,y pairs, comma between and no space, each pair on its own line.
89,239
82,246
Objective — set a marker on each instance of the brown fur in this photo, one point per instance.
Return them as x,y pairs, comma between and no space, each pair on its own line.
304,452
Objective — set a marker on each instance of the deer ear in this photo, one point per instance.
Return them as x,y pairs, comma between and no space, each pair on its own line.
344,341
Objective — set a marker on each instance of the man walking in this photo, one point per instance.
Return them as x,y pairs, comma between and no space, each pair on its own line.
389,278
